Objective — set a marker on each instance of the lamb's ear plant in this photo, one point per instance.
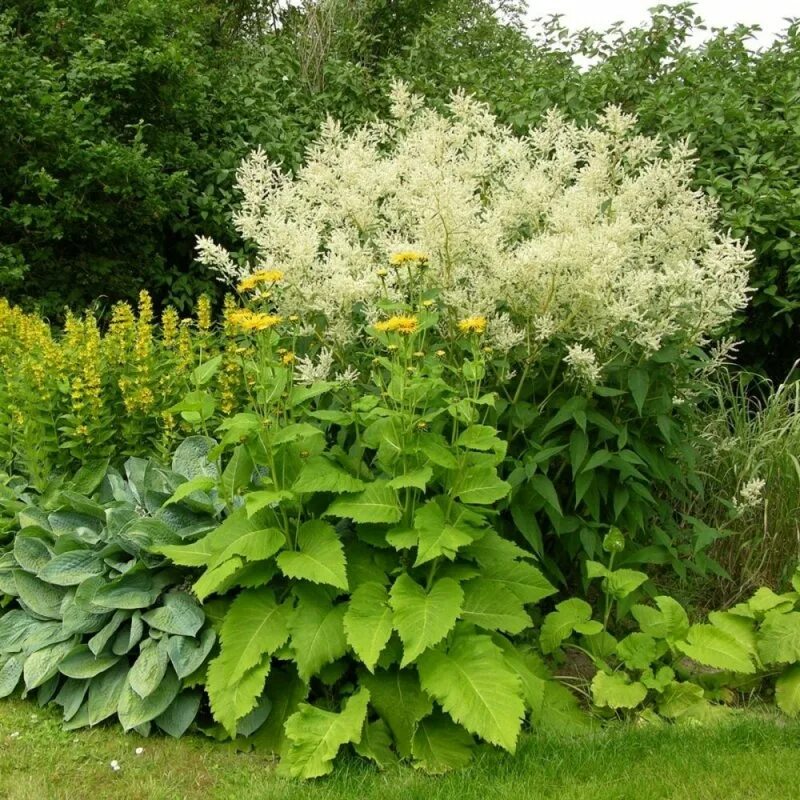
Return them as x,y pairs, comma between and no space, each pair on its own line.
98,624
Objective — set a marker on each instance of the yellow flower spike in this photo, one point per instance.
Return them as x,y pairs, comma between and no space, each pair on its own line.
169,326
402,258
472,325
204,312
398,324
256,279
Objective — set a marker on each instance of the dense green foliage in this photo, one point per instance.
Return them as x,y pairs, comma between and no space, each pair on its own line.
125,124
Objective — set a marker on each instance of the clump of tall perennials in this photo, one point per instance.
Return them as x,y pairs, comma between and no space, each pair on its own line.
586,239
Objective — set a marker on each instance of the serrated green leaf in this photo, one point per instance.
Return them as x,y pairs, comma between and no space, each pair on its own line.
779,638
368,622
439,745
436,537
525,581
377,503
397,696
316,735
424,618
480,486
669,622
716,648
200,483
317,630
376,744
475,686
493,607
415,479
480,437
319,557
233,700
285,691
321,475
638,650
787,690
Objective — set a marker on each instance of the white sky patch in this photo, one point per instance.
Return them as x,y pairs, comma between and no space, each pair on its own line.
597,14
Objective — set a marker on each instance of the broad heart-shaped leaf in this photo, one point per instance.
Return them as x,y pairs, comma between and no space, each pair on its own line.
321,475
72,568
480,437
669,622
40,597
377,503
437,537
317,630
233,700
397,696
104,693
424,618
779,638
475,687
440,745
319,557
134,710
617,691
187,655
787,691
716,648
570,615
638,650
619,583
315,736
148,671
493,607
480,485
254,626
368,622
179,614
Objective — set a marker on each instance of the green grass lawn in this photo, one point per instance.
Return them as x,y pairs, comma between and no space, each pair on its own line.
752,756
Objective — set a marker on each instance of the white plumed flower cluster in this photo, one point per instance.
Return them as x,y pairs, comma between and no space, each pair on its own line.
577,234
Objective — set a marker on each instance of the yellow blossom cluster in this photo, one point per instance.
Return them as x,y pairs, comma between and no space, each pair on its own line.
252,321
398,324
260,278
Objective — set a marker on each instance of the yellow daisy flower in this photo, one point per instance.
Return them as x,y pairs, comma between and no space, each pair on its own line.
472,325
252,321
256,279
398,324
402,258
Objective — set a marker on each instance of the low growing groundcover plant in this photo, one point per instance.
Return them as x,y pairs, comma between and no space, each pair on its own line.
466,358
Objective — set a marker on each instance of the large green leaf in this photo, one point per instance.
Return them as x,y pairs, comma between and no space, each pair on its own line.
40,597
180,714
716,648
316,736
437,537
187,655
319,556
669,622
43,664
569,616
72,568
284,691
376,744
10,673
104,693
439,745
476,687
787,690
368,622
779,638
616,690
233,700
148,670
377,503
82,663
134,710
493,607
179,615
480,485
397,696
321,475
525,581
424,618
317,630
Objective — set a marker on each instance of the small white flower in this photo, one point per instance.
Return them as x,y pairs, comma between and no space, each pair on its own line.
115,765
139,751
15,735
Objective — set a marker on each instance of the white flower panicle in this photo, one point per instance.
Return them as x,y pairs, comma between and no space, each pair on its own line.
750,494
581,234
307,371
582,365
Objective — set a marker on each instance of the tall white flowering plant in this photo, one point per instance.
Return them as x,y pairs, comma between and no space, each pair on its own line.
591,271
